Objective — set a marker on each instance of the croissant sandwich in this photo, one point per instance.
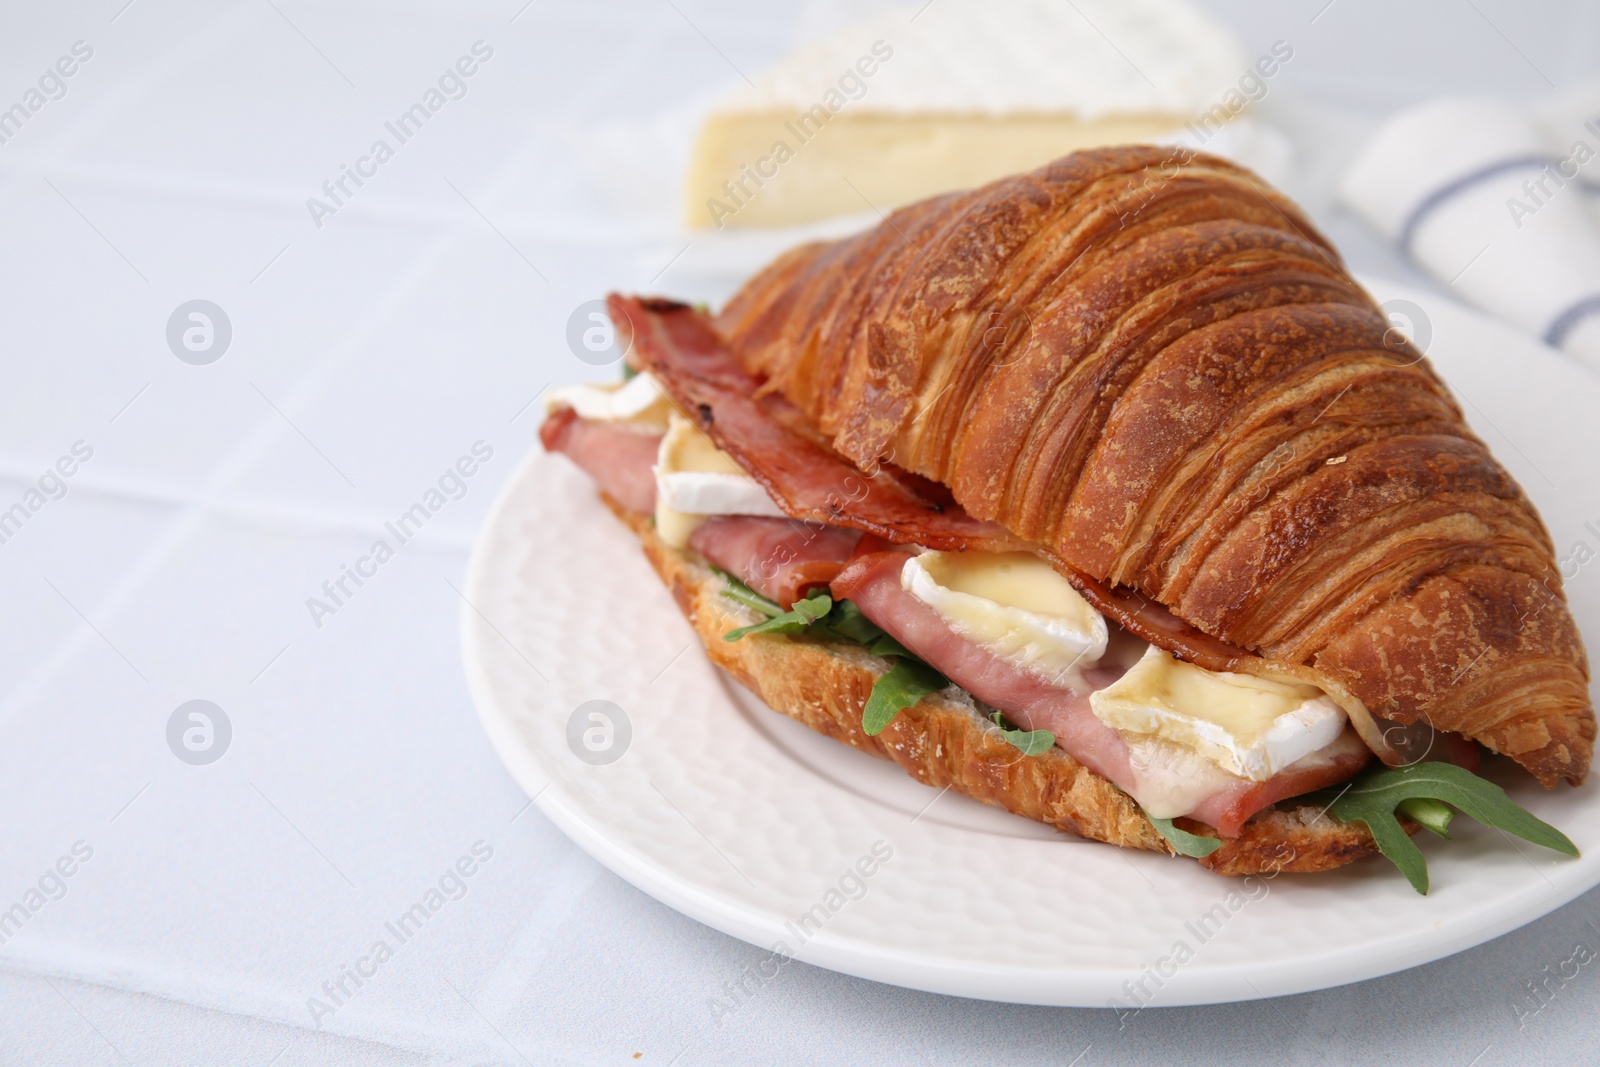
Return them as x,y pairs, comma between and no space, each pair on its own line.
1103,495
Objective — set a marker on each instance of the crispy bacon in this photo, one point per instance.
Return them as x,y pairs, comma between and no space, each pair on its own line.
619,459
1153,622
782,559
764,435
1062,705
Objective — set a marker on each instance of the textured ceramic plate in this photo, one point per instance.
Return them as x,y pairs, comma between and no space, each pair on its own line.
748,822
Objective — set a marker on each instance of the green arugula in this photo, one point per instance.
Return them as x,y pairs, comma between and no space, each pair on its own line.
908,679
740,593
847,621
884,645
628,372
1432,815
1421,792
794,621
907,682
843,620
1031,742
1182,841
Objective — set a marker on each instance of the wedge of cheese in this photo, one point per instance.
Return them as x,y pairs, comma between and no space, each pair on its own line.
913,103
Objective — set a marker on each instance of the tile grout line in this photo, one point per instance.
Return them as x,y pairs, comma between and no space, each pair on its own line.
253,446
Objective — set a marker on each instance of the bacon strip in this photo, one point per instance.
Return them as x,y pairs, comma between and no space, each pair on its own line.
782,559
763,434
1062,705
618,459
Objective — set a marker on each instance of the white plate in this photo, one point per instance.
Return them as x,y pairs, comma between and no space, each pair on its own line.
748,822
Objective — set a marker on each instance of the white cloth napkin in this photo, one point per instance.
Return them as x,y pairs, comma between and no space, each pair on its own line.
1496,204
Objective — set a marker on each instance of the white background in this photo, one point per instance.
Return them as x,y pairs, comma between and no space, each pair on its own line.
367,355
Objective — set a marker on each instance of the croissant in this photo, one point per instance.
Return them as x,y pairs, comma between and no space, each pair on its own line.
1149,364
1103,495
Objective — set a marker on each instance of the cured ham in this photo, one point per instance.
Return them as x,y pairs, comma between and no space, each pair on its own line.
618,458
782,559
1228,810
1061,705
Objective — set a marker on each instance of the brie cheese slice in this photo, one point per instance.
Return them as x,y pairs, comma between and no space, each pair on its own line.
638,400
695,479
1015,605
1247,726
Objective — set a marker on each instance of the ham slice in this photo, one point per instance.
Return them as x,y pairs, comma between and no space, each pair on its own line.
782,559
1062,706
1339,762
618,458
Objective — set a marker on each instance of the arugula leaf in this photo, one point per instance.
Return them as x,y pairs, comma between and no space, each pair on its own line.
884,645
1428,813
1374,798
846,621
1182,841
740,593
628,372
795,620
907,682
1031,742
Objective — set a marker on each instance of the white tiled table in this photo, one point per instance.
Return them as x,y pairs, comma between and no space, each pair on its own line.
367,355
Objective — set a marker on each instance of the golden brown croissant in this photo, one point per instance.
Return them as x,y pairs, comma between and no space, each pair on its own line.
1153,365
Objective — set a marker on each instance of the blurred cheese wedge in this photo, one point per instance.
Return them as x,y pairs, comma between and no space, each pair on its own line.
898,108
695,479
1246,726
638,400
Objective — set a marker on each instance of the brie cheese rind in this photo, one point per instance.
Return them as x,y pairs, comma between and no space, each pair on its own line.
1015,605
894,109
1250,727
639,400
695,479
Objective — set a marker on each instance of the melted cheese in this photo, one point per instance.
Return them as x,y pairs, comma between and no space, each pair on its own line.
1013,604
1170,779
694,479
1249,727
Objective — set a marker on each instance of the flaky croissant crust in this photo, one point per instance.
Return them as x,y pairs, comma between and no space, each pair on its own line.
1151,362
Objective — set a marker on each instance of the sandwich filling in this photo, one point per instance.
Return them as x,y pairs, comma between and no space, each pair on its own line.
1004,626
